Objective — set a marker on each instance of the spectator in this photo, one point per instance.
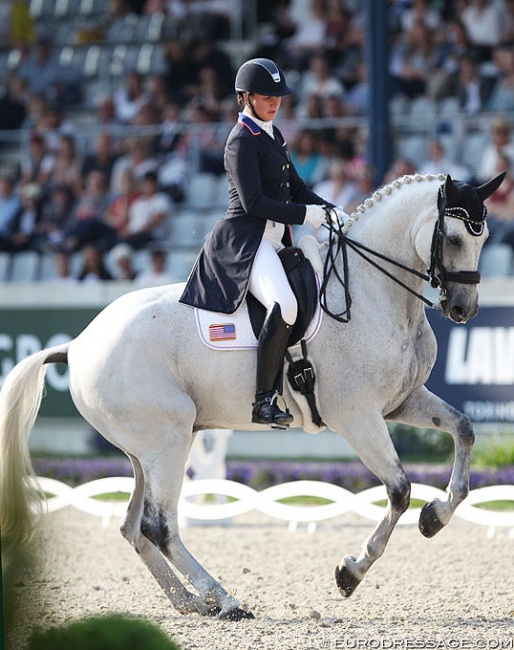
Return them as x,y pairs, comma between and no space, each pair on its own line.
129,99
149,214
13,104
310,34
339,187
305,156
67,166
62,269
412,61
157,92
499,145
438,163
156,274
121,256
180,74
93,265
500,206
102,158
53,124
22,27
10,205
472,88
56,216
37,163
117,213
502,96
400,167
88,225
37,104
138,157
319,80
420,10
364,178
25,235
482,20
44,74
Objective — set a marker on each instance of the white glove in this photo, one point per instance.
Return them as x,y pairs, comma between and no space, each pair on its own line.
315,215
337,215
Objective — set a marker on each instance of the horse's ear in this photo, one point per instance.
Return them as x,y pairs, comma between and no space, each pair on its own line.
451,191
491,186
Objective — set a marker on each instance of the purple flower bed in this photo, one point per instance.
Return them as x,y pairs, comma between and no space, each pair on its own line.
353,476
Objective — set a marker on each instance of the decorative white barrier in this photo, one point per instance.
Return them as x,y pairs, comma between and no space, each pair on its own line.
267,501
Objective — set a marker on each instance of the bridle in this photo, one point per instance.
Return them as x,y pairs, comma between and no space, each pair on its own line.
437,274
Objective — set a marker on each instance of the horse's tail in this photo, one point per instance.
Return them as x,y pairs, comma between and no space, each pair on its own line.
20,399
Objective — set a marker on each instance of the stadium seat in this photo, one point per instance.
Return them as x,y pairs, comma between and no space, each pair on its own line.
24,267
412,147
187,229
201,190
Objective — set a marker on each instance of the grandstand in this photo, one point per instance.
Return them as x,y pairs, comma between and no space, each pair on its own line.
100,44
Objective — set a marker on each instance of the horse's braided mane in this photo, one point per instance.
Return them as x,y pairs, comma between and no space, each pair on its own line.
386,190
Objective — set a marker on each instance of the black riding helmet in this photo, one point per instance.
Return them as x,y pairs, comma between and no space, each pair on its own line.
261,76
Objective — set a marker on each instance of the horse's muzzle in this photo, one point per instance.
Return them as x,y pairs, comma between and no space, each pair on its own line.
460,308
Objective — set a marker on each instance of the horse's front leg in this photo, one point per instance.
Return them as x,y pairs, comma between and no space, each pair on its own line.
371,440
424,409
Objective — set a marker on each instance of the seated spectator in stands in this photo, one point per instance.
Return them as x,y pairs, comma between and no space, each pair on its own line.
364,177
93,265
502,95
500,206
138,157
24,229
157,92
56,216
210,140
472,88
20,26
338,187
307,159
68,165
171,132
319,80
507,34
106,112
156,274
501,144
62,269
309,36
13,104
438,163
423,11
117,213
356,101
37,163
53,124
44,74
121,256
10,206
149,214
400,167
37,104
482,19
88,224
180,74
102,158
129,98
412,61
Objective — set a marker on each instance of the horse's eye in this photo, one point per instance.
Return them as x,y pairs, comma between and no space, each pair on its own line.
455,240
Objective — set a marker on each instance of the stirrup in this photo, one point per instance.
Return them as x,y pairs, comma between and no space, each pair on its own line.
266,411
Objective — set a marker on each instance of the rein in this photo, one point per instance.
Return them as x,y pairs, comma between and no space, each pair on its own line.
437,275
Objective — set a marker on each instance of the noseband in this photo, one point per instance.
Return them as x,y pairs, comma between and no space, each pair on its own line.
438,275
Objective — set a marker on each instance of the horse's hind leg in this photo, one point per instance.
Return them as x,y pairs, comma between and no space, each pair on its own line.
163,472
182,599
371,440
424,409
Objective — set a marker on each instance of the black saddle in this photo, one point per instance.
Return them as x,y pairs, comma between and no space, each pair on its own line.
302,279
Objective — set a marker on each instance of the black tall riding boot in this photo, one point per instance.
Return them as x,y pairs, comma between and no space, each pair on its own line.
270,359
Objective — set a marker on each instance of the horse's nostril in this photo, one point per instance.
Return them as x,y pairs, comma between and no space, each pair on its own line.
458,314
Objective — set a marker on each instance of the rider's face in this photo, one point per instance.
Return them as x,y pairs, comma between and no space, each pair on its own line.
265,107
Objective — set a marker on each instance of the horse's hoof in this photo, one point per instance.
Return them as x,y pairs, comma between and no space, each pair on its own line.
235,614
347,583
429,522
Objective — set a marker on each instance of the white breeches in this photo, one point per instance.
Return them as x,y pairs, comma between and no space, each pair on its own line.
269,284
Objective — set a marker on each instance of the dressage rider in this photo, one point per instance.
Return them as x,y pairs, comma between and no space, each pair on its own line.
266,196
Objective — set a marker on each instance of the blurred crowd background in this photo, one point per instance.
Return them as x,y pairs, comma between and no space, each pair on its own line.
114,114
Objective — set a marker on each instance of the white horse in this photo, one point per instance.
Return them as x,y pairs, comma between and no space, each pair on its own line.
141,377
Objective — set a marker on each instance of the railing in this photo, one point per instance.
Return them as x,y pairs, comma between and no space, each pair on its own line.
228,499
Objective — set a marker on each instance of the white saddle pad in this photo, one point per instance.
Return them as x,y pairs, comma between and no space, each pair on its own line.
234,331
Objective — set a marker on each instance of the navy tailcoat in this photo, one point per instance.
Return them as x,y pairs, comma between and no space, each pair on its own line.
263,185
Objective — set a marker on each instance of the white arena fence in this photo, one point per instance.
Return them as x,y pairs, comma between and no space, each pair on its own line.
219,500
